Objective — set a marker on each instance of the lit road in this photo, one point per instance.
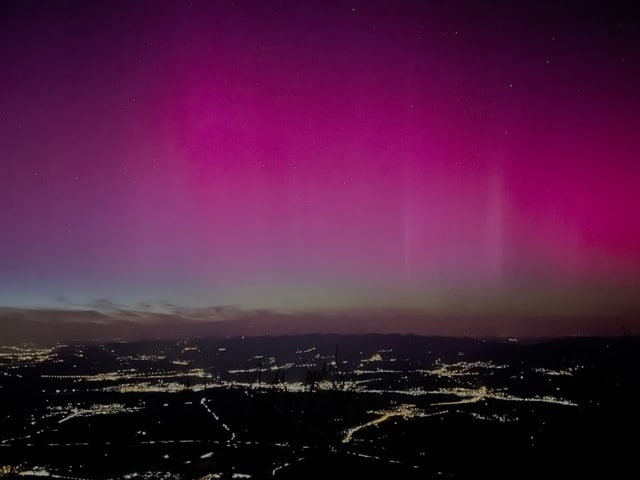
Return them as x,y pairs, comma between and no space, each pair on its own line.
232,435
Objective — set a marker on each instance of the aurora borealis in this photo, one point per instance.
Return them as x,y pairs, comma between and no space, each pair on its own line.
472,158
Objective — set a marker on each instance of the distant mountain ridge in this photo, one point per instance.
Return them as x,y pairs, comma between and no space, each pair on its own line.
50,326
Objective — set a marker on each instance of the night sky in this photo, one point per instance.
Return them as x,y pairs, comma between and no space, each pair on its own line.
446,158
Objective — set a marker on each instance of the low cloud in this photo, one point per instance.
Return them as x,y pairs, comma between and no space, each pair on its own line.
104,320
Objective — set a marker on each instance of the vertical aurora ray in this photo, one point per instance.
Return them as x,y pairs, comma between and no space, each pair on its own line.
319,155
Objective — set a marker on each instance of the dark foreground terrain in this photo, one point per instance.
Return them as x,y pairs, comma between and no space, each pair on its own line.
321,406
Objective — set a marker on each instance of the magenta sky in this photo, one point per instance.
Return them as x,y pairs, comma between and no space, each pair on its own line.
440,156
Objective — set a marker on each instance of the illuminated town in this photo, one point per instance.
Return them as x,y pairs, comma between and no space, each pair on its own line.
195,405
